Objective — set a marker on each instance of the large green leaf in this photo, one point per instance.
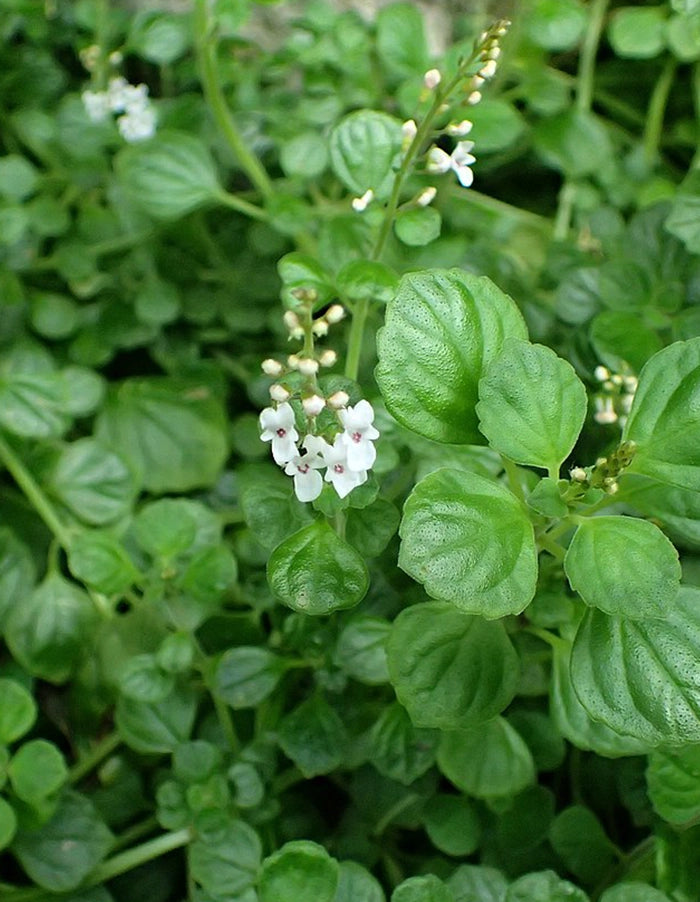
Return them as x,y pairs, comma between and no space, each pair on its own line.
156,727
363,146
574,142
172,432
314,571
18,711
226,861
298,870
356,884
477,883
398,749
441,330
642,678
468,540
17,572
664,419
544,885
33,395
531,405
449,669
624,566
673,785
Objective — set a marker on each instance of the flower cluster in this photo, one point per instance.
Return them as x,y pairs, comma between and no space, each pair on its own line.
347,460
614,402
606,471
137,121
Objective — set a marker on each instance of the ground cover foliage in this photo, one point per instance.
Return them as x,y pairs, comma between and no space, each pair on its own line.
412,612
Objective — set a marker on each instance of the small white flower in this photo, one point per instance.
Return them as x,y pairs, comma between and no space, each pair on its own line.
116,95
631,384
493,52
278,427
313,405
272,367
426,197
135,98
116,58
96,105
338,400
601,373
459,129
358,435
343,478
307,366
578,474
137,125
335,314
291,320
408,131
605,411
328,357
474,98
439,161
432,79
293,361
459,161
488,70
360,204
320,328
626,402
308,482
279,393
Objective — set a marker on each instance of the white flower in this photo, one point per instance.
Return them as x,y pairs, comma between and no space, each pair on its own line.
335,313
279,392
605,411
358,435
328,357
338,400
432,79
601,373
426,197
409,130
308,482
116,95
459,129
488,70
272,367
459,161
360,204
578,474
135,98
343,478
96,105
307,366
320,327
278,427
137,125
313,405
474,98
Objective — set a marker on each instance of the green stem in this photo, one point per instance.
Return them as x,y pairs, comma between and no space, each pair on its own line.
554,548
94,757
513,477
205,43
242,206
589,51
206,668
562,220
132,858
500,208
356,338
657,108
34,494
135,832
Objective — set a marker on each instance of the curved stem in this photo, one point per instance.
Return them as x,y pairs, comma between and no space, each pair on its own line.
132,858
242,206
94,757
657,107
589,51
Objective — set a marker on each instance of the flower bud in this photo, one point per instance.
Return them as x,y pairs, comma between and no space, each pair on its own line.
494,52
313,405
307,366
426,197
293,362
459,129
335,314
474,98
328,358
488,70
408,130
476,81
338,400
578,474
601,373
320,327
432,79
631,383
272,367
279,393
360,204
291,320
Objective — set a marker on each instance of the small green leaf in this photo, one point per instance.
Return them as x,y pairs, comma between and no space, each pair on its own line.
17,573
156,727
165,528
54,315
555,24
546,498
356,884
37,770
142,679
574,142
620,338
245,676
304,155
497,125
578,838
272,511
487,762
683,37
401,43
427,888
544,885
315,572
624,566
632,891
160,37
363,147
361,650
468,540
475,883
532,405
638,33
17,712
418,226
314,737
8,824
370,529
673,781
367,280
101,562
453,825
299,870
450,670
32,396
227,862
398,749
18,177
441,329
642,678
684,219
170,177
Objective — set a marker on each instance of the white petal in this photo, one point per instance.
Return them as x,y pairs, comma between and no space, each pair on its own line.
438,160
464,175
284,449
360,455
307,486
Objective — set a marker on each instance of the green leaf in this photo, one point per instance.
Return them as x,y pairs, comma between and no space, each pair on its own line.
314,737
418,226
663,422
245,676
356,884
101,562
632,891
50,631
624,566
468,540
93,482
304,155
143,680
32,396
573,142
160,37
8,824
487,762
61,853
450,670
18,177
165,528
683,37
226,863
555,24
546,497
272,511
54,315
361,650
398,749
642,678
532,405
579,840
544,885
170,176
209,574
620,338
172,432
370,529
363,147
638,33
303,272
673,785
523,823
299,870
401,43
37,770
441,329
366,280
684,219
428,888
453,825
17,573
315,572
497,125
17,712
156,727
475,883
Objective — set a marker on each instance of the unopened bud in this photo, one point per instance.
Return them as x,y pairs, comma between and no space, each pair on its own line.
320,328
601,373
578,474
432,79
272,367
631,383
616,379
335,313
360,204
313,405
279,393
426,197
307,366
328,358
476,81
408,130
612,489
291,320
488,70
116,58
338,400
494,52
459,129
474,98
293,362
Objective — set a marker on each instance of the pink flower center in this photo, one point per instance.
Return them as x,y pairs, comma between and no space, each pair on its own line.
303,468
338,468
356,437
281,432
